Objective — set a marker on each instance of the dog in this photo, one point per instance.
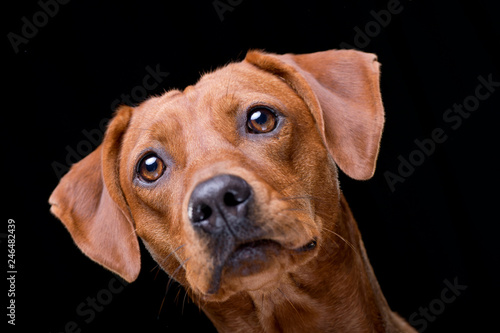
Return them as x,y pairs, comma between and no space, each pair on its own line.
232,185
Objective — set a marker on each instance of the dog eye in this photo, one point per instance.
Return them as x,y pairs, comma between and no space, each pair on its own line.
150,168
261,120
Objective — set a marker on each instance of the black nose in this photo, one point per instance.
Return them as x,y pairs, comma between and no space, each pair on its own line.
219,202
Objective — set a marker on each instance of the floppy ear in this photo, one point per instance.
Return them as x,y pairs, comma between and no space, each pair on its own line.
90,203
341,88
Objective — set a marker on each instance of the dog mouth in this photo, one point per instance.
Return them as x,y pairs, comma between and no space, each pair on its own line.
253,257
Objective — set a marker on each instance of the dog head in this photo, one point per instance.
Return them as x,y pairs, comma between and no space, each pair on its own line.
232,182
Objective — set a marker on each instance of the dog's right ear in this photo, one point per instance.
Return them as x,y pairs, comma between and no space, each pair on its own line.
342,90
90,203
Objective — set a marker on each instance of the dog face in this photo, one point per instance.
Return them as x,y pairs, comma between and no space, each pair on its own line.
229,179
232,182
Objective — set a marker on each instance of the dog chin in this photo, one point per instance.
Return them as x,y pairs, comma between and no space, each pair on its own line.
255,276
255,266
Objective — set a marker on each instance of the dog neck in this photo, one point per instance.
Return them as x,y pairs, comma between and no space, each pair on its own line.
335,292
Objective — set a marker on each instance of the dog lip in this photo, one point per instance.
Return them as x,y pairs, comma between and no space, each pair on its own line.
260,250
251,257
260,244
311,245
257,243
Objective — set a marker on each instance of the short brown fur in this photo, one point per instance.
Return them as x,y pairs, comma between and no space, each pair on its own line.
331,115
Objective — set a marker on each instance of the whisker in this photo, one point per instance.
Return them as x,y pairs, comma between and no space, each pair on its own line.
168,284
161,305
133,233
157,272
289,184
183,302
176,299
340,237
171,253
176,271
323,228
289,302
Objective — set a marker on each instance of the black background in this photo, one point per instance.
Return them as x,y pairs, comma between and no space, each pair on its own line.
440,224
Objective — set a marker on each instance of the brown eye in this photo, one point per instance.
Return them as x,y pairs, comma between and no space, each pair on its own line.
150,168
261,120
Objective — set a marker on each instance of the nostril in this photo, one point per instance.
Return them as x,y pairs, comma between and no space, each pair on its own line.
205,212
200,213
230,199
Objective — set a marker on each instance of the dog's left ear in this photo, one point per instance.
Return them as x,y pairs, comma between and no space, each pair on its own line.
341,88
90,203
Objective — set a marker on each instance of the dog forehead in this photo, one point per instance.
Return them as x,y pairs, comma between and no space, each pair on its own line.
208,112
237,76
215,94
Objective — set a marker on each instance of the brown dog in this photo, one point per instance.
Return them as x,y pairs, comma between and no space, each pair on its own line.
232,186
